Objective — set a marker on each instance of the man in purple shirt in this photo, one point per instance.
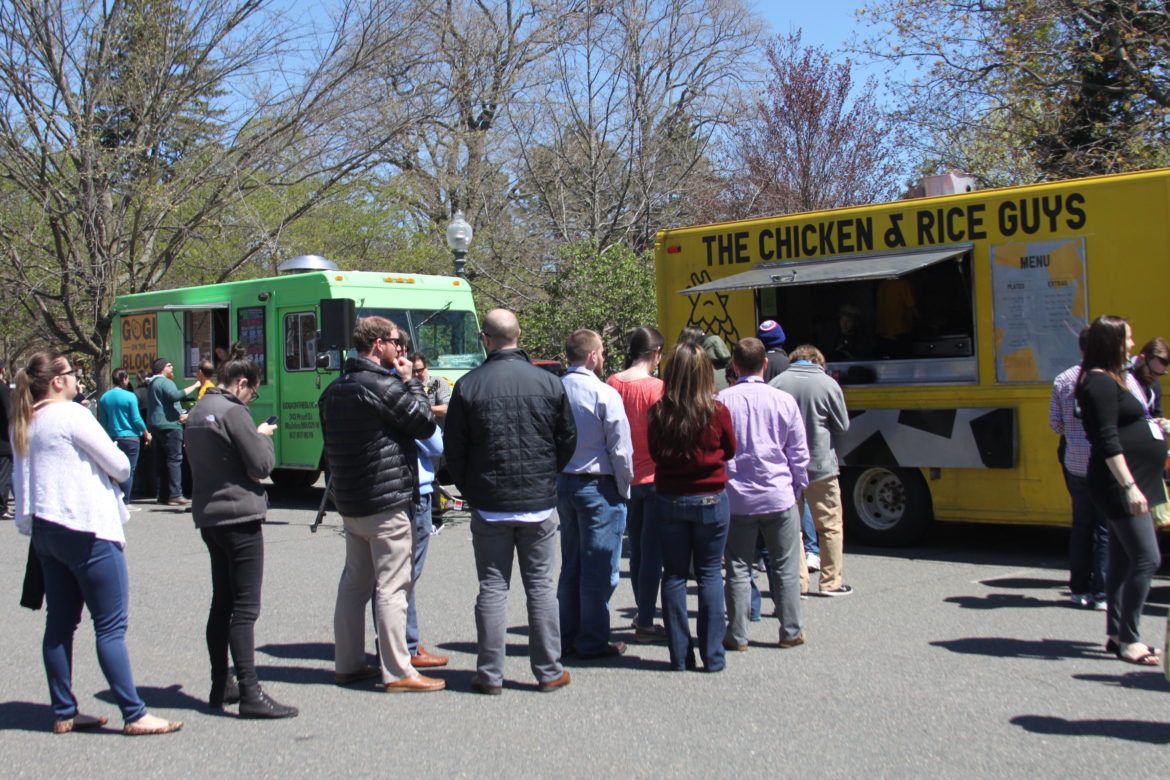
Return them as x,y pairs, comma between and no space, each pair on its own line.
768,472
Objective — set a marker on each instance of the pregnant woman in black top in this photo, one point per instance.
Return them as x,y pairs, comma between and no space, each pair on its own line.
1127,455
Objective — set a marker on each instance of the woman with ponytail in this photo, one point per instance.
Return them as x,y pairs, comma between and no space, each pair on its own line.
691,438
229,455
65,471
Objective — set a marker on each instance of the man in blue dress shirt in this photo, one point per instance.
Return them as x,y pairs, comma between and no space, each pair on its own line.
592,492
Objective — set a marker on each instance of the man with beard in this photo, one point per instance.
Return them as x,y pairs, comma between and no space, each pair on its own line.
370,418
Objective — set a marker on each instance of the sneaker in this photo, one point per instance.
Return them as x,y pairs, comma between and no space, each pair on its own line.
1080,599
812,561
1100,606
844,590
132,508
8,516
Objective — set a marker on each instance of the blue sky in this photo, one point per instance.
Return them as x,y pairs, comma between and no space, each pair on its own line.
827,23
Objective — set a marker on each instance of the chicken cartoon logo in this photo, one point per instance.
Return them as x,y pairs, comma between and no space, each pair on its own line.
709,311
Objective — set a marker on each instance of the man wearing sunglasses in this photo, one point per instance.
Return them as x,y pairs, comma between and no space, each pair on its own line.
370,418
1150,365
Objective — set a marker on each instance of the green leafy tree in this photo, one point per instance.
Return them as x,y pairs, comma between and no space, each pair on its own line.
611,291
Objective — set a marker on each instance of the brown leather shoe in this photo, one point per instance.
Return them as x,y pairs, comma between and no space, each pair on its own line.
416,684
479,686
79,722
735,647
790,643
552,685
424,660
365,673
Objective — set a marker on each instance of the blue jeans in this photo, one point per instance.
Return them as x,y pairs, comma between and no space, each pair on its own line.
808,529
693,531
1088,542
130,447
593,520
81,570
423,526
645,554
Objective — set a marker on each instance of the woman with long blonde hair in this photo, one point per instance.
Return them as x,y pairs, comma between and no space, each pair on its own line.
691,438
65,472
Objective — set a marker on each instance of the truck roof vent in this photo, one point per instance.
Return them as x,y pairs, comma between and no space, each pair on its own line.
304,263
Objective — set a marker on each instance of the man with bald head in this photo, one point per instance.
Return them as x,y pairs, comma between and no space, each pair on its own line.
509,434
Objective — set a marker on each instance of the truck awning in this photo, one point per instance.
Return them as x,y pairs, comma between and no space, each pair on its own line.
849,268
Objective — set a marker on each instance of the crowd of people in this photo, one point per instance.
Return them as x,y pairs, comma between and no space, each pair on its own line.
707,484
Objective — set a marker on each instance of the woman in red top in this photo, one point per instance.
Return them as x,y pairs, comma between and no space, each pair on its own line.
691,438
640,390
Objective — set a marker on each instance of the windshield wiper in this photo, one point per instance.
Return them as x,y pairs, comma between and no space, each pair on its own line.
418,326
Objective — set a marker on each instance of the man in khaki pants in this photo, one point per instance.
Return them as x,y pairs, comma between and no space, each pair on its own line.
822,405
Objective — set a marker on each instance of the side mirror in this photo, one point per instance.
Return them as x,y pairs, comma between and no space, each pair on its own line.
323,360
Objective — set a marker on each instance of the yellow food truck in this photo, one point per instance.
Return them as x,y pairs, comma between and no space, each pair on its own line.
945,319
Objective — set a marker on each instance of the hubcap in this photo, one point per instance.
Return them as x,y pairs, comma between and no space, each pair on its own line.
880,499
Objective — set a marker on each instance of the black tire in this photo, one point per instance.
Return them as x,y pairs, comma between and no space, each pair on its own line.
294,479
885,506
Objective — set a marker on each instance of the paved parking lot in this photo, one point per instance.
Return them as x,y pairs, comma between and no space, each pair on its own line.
960,657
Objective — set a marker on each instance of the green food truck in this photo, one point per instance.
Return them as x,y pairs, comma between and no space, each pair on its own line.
297,326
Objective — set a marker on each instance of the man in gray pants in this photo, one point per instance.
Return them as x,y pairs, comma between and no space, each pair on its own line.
509,433
764,479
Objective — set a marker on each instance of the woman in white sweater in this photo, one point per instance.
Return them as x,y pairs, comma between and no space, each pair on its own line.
65,471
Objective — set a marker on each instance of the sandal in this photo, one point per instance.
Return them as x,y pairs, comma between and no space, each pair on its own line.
1147,659
79,722
140,729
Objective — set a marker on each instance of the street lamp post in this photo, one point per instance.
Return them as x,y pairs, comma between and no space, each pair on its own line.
459,235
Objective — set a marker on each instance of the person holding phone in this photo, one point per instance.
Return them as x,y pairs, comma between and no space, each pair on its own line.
229,455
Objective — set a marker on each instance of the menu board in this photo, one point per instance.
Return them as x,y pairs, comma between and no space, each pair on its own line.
1039,305
250,331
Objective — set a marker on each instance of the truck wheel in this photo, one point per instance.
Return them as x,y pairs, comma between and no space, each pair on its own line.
887,507
293,479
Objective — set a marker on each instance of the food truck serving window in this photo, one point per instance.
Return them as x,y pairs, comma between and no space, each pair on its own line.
205,336
885,318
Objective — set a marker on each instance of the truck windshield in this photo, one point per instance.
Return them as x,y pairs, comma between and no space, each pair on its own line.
449,339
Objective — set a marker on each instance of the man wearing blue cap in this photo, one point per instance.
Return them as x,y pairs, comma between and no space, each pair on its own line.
772,335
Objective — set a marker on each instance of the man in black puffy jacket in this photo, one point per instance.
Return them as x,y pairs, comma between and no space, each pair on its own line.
370,417
509,433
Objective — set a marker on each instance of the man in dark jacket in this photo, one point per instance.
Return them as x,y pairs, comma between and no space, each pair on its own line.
370,418
509,433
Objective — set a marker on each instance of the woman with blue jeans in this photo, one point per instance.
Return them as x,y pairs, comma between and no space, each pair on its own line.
691,438
65,467
118,411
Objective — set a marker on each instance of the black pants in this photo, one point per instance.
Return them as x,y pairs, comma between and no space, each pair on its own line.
5,480
1133,559
237,570
168,462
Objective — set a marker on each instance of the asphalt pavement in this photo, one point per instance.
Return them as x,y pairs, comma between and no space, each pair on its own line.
957,658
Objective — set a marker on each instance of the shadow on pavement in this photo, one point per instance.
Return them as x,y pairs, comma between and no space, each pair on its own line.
1132,730
1140,681
1024,583
297,675
310,651
172,697
25,716
1006,601
1007,647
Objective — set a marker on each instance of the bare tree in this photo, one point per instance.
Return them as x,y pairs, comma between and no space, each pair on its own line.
814,139
634,104
131,129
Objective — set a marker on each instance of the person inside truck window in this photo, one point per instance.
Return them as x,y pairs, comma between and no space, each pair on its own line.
845,338
896,312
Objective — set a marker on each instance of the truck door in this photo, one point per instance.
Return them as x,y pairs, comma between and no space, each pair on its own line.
297,391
